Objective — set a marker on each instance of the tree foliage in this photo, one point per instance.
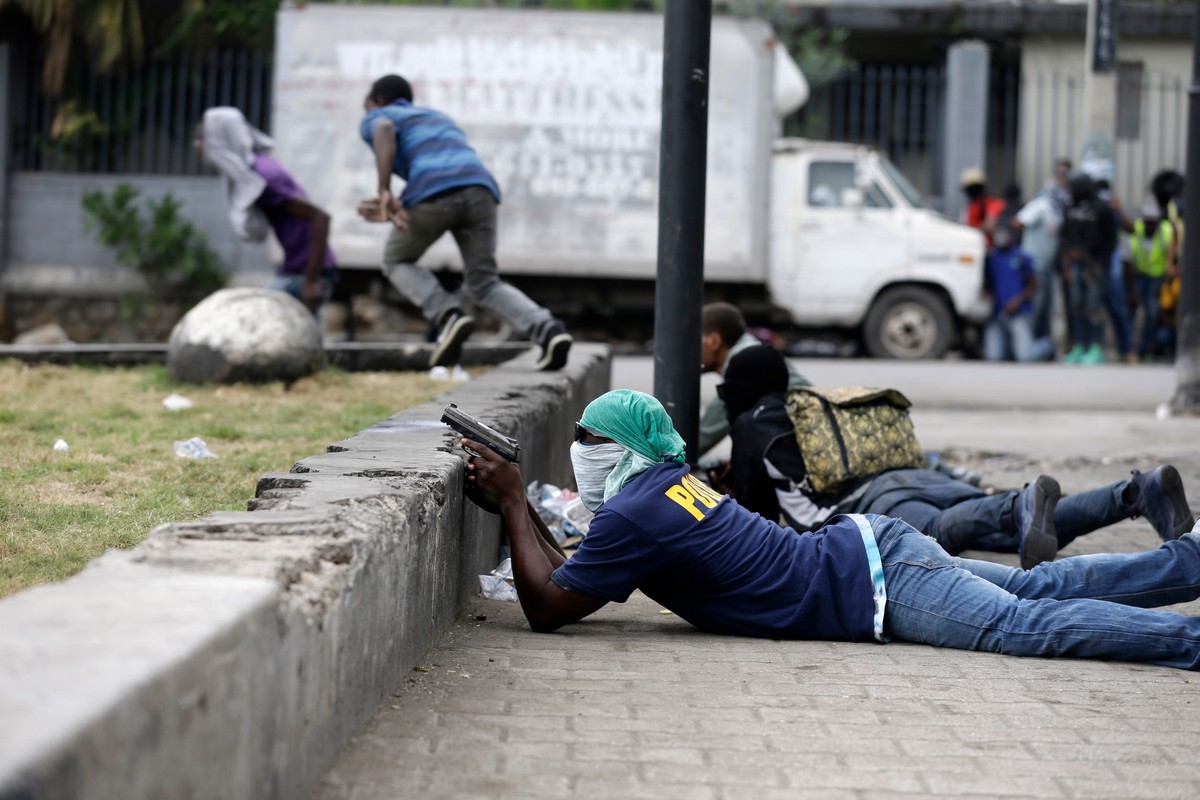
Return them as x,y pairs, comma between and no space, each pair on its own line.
109,30
819,52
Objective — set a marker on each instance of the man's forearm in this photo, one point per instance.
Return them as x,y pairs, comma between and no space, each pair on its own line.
552,557
532,564
549,543
385,154
317,248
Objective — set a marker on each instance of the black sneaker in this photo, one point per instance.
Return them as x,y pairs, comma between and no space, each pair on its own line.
555,343
1161,500
1033,516
456,328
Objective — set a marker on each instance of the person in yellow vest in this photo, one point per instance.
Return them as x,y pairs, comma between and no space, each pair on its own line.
1168,316
1167,188
1153,248
1172,284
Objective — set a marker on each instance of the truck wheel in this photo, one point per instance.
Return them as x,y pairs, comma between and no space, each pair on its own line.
908,322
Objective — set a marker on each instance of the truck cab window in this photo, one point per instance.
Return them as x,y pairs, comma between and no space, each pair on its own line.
827,180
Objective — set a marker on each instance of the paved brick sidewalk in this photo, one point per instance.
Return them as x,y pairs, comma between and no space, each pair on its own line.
633,703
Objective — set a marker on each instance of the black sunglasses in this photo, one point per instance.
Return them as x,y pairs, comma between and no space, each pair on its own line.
580,432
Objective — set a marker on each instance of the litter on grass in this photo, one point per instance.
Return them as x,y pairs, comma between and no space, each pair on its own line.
176,402
193,448
440,373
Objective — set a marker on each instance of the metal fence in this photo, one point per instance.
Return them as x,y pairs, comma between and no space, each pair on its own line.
142,120
1003,120
900,110
894,108
1033,119
137,120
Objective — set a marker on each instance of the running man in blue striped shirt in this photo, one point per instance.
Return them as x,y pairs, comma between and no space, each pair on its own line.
447,188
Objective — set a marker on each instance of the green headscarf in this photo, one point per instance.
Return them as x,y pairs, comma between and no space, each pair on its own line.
639,423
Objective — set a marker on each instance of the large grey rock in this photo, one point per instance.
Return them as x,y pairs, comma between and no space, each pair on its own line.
51,333
245,334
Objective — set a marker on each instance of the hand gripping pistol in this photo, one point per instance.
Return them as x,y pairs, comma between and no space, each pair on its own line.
476,431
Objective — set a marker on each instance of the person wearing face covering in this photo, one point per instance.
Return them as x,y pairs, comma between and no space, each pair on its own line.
262,196
1089,236
768,477
1012,281
859,578
983,210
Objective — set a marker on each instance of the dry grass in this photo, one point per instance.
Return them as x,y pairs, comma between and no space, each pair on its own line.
121,477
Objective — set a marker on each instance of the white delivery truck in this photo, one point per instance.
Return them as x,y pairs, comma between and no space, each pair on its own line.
565,109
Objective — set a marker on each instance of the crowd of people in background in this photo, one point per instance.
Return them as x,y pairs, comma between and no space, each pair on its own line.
1074,246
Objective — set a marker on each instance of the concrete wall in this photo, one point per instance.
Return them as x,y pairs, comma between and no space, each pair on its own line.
50,250
232,657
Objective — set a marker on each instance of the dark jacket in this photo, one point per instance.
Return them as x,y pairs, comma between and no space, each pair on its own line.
765,434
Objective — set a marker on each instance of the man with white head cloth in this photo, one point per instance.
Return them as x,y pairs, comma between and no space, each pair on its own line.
261,195
860,578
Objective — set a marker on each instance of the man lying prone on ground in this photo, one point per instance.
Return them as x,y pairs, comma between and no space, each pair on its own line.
767,475
861,577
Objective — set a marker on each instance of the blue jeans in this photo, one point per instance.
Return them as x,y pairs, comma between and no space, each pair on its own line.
1011,338
1087,290
1147,291
962,517
1084,607
1118,306
292,284
1043,303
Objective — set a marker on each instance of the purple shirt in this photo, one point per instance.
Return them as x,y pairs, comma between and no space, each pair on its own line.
294,233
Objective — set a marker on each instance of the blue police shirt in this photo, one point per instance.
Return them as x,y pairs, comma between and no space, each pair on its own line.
432,154
722,567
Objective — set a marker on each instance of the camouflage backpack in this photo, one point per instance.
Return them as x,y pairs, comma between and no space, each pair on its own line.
851,433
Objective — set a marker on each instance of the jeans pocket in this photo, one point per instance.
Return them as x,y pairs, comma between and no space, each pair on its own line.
928,562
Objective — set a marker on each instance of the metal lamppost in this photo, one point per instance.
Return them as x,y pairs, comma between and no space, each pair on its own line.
1187,351
683,160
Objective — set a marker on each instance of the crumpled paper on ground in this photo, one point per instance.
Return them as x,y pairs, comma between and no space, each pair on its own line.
193,448
176,402
498,584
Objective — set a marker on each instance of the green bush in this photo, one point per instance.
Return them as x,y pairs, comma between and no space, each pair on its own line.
167,251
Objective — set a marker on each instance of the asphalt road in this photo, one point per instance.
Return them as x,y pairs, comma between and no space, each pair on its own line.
967,384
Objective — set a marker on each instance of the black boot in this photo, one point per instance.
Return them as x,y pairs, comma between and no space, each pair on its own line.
1033,517
1160,499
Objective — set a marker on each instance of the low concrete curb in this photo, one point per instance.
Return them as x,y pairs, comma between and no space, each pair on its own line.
232,657
350,356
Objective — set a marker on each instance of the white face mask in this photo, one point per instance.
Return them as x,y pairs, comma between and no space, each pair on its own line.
593,463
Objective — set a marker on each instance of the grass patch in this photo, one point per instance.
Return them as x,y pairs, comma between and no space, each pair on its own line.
121,478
